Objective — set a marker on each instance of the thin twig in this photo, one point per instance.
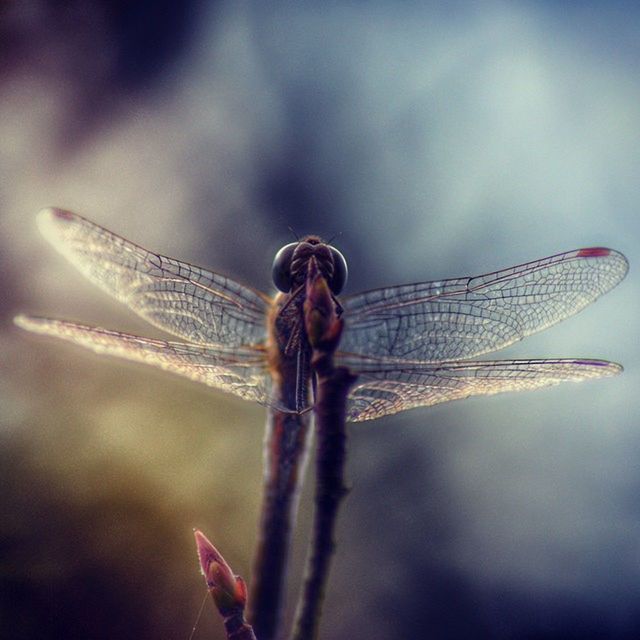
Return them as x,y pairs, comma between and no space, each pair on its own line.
330,490
283,464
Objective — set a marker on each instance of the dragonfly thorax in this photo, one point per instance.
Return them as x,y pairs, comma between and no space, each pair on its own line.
291,264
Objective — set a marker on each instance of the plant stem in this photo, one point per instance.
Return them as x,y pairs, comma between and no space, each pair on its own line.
236,627
285,448
330,490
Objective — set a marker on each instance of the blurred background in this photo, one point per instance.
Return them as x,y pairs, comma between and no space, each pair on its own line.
439,140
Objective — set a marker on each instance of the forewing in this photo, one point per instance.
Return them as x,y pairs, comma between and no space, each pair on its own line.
466,317
190,302
240,371
386,388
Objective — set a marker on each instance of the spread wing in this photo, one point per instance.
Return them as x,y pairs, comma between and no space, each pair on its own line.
192,303
240,370
384,388
466,317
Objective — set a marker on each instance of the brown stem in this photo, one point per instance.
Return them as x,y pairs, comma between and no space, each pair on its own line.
284,462
236,627
333,389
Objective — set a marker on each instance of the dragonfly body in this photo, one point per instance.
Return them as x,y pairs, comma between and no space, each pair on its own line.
285,449
289,352
410,345
286,440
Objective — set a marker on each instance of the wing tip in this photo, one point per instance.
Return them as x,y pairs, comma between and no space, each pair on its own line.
56,213
40,325
28,323
605,252
601,368
49,219
612,368
594,252
20,320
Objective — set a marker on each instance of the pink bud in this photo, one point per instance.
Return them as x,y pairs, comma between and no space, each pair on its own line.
228,590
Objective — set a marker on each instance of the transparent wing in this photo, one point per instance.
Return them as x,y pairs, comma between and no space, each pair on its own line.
241,371
190,302
466,317
386,388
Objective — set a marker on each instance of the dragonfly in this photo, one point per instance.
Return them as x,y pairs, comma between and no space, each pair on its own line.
412,345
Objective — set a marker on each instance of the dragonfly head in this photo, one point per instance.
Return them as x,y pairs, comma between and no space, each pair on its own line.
292,261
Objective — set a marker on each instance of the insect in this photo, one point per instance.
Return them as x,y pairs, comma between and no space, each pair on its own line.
410,345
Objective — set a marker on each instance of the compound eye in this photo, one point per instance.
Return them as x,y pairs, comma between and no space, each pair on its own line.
340,272
281,270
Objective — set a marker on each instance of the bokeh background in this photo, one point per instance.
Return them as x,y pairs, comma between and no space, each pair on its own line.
439,140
